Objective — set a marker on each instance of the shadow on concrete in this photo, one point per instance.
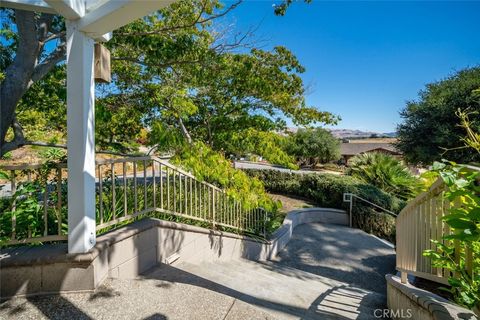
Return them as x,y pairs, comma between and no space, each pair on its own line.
58,307
156,316
103,293
49,268
216,243
341,302
338,253
170,274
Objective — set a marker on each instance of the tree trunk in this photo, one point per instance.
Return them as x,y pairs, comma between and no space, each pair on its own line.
24,71
18,75
210,135
185,132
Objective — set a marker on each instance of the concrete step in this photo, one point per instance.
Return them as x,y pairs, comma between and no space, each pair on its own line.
314,296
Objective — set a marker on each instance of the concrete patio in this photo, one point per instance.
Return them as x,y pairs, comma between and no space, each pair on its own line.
325,272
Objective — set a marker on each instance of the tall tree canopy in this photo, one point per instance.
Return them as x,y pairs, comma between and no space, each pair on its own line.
179,73
430,130
211,91
313,146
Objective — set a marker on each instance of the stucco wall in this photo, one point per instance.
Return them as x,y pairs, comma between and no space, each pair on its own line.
135,248
408,302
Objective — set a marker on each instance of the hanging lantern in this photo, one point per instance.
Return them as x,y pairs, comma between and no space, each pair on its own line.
102,64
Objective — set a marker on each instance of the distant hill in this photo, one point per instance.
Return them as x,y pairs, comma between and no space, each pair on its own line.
354,134
390,134
348,133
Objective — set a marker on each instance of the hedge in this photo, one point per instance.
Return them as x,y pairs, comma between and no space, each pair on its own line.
327,190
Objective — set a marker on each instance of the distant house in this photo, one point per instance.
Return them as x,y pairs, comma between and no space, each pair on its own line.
349,150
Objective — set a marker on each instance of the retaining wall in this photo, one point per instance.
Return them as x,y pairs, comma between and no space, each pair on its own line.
408,302
137,247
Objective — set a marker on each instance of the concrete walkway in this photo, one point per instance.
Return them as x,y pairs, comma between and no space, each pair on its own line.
325,272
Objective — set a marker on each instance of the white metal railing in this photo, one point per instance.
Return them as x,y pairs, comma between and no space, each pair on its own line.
350,197
125,189
32,201
419,223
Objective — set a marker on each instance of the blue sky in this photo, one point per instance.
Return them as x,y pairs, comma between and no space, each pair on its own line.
365,59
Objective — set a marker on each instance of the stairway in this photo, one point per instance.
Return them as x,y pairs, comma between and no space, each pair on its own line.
285,292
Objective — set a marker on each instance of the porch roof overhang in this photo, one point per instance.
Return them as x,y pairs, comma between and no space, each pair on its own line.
96,18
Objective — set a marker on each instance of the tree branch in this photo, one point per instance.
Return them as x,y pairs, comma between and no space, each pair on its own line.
160,65
43,26
198,20
55,57
54,36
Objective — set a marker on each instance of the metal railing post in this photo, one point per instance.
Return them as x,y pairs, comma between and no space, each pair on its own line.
265,219
213,208
351,208
348,197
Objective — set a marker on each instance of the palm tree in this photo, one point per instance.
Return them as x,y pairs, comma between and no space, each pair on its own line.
386,173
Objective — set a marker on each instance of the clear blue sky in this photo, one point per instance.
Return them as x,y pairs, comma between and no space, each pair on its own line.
365,59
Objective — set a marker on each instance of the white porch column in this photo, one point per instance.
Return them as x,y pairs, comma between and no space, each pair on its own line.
80,140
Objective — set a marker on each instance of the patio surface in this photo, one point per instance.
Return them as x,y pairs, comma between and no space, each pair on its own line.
325,272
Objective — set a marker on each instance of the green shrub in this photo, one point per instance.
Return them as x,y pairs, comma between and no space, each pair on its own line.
378,223
211,166
327,191
385,172
7,156
53,154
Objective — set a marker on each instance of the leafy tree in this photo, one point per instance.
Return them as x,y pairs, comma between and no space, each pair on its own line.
117,124
386,173
33,44
254,90
210,93
43,106
24,60
430,130
269,145
174,66
312,146
42,111
165,138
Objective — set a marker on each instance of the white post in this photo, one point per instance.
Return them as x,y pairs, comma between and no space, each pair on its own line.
81,140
